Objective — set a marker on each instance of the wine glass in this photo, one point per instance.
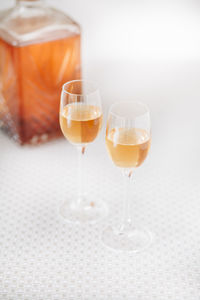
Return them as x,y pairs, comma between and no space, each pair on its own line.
128,139
80,121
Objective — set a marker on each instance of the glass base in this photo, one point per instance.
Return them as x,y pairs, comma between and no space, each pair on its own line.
83,211
133,239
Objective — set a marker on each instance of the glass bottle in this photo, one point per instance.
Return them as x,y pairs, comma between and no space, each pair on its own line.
39,52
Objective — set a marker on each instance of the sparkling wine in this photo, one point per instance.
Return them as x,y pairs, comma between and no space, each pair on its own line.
128,147
80,123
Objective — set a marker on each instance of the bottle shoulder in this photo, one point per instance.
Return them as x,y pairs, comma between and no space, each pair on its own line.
24,25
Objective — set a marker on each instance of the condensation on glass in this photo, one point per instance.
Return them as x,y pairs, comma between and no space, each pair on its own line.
39,52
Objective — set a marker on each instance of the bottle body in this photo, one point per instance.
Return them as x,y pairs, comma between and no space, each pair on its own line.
35,61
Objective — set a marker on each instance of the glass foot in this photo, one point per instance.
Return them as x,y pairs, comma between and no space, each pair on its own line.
84,211
133,240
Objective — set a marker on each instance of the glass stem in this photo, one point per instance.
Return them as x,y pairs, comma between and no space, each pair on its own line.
81,155
126,219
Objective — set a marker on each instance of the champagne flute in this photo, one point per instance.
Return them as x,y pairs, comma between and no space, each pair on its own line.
128,139
80,121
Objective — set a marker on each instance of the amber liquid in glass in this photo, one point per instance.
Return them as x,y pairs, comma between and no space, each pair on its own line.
31,78
128,147
80,123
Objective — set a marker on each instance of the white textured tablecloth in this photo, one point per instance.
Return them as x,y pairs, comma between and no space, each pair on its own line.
44,257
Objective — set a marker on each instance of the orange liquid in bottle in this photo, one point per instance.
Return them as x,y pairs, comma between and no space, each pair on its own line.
31,78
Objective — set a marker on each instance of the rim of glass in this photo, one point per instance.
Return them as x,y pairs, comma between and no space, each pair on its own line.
128,102
95,88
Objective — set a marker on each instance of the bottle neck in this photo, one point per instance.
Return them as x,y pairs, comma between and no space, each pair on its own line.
30,2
